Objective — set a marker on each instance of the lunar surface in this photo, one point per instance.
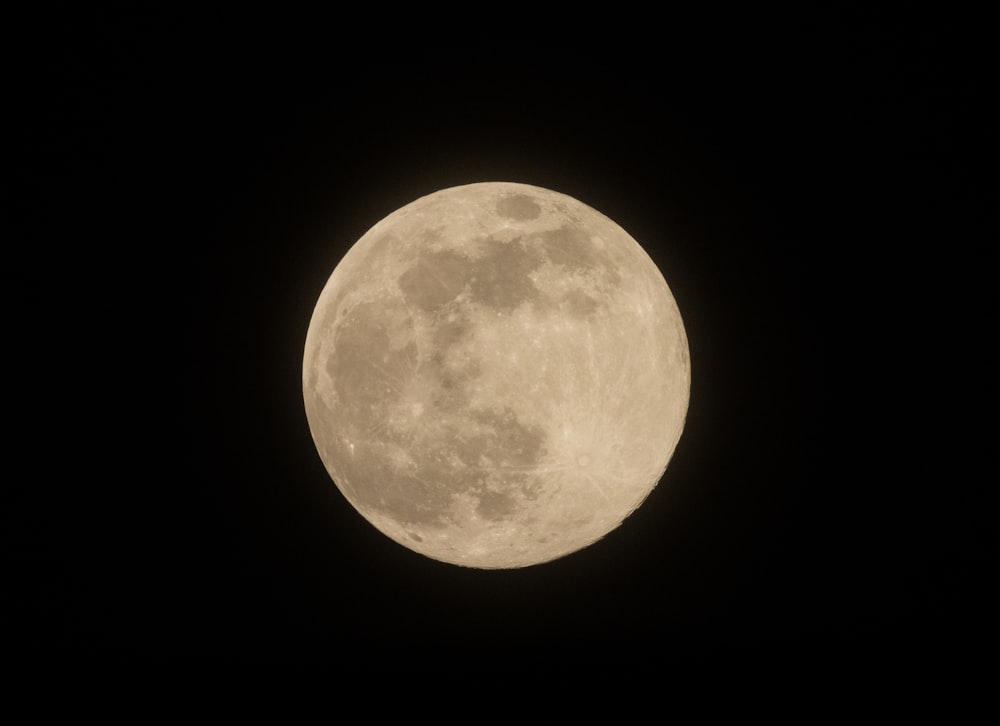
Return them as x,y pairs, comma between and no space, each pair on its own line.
496,375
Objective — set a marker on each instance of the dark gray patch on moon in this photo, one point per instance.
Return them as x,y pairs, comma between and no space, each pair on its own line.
435,280
501,279
579,304
511,443
410,498
494,505
449,333
571,247
518,206
361,341
450,378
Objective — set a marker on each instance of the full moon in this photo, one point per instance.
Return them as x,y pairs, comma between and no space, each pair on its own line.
496,375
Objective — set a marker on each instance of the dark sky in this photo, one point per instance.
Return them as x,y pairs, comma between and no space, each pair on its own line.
813,191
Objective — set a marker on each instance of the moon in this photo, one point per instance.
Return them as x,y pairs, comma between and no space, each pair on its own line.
496,375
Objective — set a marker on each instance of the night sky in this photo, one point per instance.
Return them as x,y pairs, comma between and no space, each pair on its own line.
813,192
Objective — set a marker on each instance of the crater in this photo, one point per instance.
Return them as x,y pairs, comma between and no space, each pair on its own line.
519,207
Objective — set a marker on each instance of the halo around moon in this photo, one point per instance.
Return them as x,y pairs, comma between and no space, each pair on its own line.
496,375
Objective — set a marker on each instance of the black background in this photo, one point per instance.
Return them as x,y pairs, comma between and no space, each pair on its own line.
812,188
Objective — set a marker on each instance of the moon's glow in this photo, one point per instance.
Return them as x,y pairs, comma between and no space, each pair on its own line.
496,375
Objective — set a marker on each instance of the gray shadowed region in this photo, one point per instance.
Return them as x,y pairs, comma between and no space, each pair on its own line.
571,247
502,278
521,207
435,280
579,304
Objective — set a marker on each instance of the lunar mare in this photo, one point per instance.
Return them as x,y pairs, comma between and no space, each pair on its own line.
496,375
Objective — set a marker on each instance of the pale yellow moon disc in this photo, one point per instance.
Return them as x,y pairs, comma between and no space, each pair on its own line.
496,375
